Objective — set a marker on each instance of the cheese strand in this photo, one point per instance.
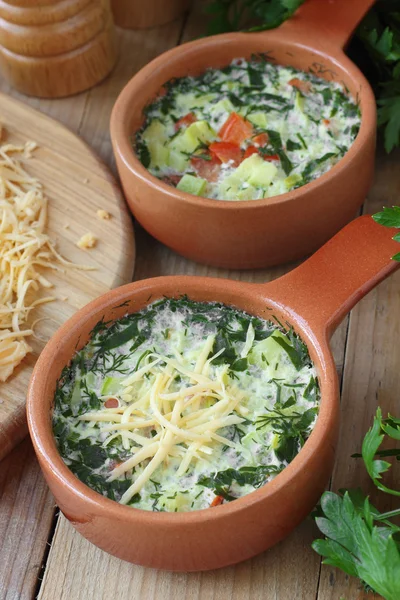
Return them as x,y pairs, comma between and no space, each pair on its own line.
24,246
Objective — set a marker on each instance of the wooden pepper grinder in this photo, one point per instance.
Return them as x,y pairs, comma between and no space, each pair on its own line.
139,14
55,48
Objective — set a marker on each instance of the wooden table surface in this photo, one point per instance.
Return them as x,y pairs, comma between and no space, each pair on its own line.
42,556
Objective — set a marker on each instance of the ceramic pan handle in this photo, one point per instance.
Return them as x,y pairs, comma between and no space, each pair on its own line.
328,20
323,289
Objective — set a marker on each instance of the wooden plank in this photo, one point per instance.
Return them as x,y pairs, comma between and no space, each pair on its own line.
26,515
371,378
79,570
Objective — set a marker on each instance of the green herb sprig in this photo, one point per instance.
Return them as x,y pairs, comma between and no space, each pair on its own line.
360,540
390,217
229,15
222,481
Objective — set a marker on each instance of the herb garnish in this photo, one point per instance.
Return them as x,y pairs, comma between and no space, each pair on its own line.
292,428
360,540
276,143
222,481
390,217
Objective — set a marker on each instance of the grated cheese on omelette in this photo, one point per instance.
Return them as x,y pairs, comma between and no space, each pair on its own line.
25,249
183,427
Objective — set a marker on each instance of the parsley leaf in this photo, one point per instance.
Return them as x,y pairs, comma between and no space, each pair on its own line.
359,539
371,443
390,217
255,15
295,348
389,116
358,547
221,481
379,34
143,153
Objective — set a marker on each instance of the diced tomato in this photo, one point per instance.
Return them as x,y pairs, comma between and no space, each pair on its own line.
226,151
235,130
111,403
261,139
172,179
250,151
207,169
185,121
303,86
326,122
270,157
217,500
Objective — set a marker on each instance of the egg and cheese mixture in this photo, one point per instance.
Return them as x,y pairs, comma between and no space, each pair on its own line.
248,131
184,405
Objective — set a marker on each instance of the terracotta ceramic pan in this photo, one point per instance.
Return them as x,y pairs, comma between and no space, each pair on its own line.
313,298
257,233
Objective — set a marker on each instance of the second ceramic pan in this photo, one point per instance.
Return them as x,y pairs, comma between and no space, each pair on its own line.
313,299
258,233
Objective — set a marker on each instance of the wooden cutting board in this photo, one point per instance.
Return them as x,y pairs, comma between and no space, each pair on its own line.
77,184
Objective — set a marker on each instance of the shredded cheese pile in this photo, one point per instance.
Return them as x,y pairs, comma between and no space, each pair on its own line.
184,422
24,249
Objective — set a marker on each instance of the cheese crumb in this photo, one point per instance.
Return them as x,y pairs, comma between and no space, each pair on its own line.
87,241
103,214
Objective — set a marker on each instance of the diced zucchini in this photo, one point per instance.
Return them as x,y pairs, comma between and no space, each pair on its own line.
180,502
231,188
275,441
185,103
202,131
256,171
155,136
159,154
292,180
267,353
177,161
155,132
111,385
76,395
247,193
192,185
259,119
299,101
221,107
190,138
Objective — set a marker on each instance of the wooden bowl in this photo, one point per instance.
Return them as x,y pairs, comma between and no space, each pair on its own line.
313,298
257,233
57,47
131,14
